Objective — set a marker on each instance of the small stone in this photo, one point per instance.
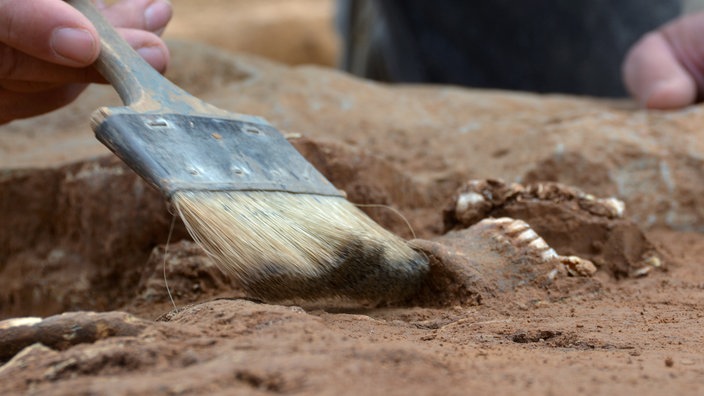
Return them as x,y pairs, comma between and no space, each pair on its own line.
669,362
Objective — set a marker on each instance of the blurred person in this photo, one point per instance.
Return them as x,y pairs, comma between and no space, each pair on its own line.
588,47
47,46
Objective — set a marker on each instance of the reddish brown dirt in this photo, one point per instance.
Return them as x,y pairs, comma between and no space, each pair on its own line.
81,232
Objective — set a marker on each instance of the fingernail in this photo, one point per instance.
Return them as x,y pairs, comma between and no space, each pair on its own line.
74,44
154,56
157,15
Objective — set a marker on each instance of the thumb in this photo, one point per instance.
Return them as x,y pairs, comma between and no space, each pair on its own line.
665,69
50,30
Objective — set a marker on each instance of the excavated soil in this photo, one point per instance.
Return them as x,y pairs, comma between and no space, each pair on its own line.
616,308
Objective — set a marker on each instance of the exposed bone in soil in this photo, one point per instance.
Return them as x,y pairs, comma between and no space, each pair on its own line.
570,220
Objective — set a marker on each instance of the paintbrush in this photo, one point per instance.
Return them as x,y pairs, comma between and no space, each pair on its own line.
262,212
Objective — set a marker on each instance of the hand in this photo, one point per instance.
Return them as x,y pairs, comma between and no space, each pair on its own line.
665,68
47,46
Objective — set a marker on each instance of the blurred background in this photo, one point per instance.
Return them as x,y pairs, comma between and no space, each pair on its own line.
288,31
581,56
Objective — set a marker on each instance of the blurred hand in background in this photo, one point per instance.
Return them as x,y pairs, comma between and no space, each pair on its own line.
665,68
606,48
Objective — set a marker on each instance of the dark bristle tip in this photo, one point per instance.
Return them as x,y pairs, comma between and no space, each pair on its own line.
360,273
284,246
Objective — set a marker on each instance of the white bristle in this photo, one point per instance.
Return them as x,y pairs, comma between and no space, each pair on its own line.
281,244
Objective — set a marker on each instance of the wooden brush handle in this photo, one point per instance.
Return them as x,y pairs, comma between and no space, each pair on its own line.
140,87
132,77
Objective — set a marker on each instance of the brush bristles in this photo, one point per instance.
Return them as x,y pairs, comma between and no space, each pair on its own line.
283,246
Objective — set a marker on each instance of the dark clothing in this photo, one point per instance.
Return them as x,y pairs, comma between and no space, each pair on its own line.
569,46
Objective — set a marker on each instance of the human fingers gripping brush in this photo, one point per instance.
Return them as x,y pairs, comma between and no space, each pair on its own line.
251,201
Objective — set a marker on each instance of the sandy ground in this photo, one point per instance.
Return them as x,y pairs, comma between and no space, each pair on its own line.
83,233
293,32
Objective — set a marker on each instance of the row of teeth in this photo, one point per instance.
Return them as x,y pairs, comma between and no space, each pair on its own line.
467,200
521,235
